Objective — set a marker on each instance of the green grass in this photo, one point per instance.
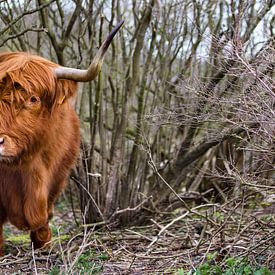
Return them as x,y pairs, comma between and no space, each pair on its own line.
232,266
89,263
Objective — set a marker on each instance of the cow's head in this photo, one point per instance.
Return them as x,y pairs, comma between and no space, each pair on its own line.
32,91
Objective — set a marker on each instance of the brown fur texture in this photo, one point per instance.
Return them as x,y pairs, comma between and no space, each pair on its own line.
39,142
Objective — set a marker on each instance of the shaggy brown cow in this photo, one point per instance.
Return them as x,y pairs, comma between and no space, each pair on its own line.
39,137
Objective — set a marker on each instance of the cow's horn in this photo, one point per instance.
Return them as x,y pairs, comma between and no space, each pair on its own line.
94,68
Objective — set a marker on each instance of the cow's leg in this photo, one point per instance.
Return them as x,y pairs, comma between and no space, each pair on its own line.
2,252
36,212
2,221
1,240
55,192
36,200
41,236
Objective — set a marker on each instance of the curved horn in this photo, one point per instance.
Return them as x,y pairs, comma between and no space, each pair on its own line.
94,68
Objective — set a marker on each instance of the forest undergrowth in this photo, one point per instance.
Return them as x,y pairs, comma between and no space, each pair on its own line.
211,238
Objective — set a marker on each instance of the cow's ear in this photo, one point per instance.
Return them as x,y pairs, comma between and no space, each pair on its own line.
62,100
65,89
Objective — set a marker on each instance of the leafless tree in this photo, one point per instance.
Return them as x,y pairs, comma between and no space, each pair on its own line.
185,101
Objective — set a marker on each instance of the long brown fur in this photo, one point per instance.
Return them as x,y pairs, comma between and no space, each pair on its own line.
41,142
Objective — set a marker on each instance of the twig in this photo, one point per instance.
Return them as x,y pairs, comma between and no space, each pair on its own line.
254,73
23,14
139,234
175,220
22,33
259,244
34,261
161,227
131,209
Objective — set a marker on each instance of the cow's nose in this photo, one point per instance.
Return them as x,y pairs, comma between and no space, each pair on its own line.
2,140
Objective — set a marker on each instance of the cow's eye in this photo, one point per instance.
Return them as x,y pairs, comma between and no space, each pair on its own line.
16,86
34,99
